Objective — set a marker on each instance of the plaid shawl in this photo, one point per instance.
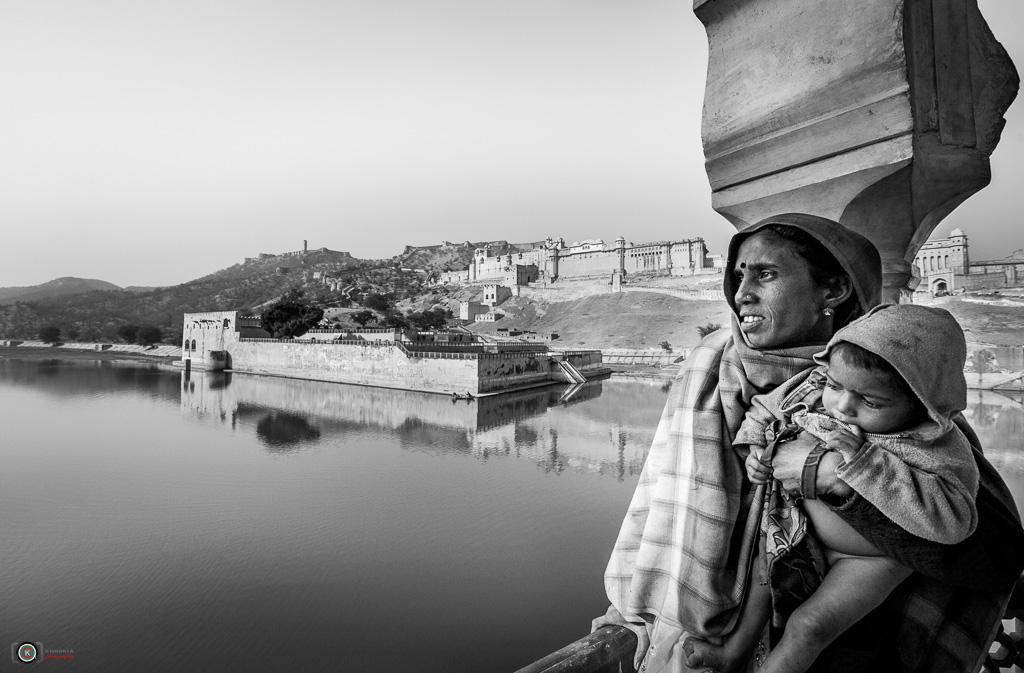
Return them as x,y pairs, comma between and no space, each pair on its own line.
669,561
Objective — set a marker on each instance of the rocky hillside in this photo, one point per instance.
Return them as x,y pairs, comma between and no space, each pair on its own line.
454,256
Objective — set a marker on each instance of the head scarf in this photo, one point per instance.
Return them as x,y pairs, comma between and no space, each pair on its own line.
856,255
682,553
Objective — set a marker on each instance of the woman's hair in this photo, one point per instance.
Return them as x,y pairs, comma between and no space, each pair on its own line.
825,268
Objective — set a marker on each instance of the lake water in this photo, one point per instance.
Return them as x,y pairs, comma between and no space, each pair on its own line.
233,522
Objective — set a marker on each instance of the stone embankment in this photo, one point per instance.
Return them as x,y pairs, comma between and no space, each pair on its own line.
163,351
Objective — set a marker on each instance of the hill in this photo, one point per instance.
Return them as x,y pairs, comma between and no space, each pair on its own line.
645,319
339,282
328,278
60,287
623,320
987,318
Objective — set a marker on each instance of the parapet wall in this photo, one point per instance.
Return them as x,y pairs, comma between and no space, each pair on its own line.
371,364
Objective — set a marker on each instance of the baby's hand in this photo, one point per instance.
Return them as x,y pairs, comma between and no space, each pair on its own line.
757,471
846,442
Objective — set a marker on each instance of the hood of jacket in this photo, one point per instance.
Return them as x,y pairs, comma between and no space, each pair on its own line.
924,344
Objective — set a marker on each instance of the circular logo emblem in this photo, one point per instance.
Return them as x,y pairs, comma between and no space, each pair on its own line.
27,652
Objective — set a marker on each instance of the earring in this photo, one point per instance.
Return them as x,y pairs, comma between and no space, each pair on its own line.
828,310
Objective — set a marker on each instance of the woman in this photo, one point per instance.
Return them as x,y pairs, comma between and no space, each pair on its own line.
681,561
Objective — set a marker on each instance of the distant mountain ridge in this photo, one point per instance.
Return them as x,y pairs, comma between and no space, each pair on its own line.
59,287
94,309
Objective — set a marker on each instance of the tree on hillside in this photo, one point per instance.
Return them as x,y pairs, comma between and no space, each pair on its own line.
127,333
379,302
71,333
49,334
291,316
433,318
361,318
396,319
148,335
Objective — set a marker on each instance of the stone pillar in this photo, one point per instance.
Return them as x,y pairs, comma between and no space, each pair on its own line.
880,114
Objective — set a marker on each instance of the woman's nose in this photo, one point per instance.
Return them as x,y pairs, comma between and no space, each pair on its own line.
743,293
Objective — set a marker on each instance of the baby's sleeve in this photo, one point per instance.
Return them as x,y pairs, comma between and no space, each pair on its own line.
767,407
926,488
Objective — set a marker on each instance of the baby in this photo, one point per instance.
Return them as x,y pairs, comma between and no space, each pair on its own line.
884,395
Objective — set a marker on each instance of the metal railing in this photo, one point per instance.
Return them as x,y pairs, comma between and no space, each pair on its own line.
610,649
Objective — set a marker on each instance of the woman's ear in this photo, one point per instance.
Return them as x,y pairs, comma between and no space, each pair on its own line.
839,290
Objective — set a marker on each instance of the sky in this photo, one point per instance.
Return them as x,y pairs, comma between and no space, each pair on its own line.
151,143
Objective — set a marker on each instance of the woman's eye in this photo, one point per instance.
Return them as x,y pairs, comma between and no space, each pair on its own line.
870,405
832,386
765,275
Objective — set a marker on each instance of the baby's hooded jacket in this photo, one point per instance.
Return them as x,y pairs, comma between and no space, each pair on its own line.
923,477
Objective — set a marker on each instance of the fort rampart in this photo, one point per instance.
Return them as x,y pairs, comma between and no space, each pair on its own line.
388,359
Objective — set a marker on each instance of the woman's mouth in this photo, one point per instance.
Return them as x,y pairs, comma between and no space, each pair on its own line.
750,321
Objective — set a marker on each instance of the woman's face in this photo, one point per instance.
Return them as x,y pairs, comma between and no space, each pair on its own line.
778,302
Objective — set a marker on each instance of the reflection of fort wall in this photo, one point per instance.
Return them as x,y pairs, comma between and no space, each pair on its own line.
220,395
532,425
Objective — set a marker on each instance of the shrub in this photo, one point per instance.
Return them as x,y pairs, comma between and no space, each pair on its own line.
704,330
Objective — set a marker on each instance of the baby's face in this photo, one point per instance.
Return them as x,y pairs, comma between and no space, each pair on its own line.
873,401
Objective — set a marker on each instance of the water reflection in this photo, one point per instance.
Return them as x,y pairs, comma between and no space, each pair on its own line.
258,512
281,432
998,419
558,428
77,378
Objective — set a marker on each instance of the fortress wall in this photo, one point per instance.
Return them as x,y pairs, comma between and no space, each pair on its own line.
512,369
564,291
646,259
705,294
584,264
371,365
993,278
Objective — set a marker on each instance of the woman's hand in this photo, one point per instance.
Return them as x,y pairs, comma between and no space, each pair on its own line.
788,467
757,471
615,617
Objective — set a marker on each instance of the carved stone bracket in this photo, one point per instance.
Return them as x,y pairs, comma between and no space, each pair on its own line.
880,114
